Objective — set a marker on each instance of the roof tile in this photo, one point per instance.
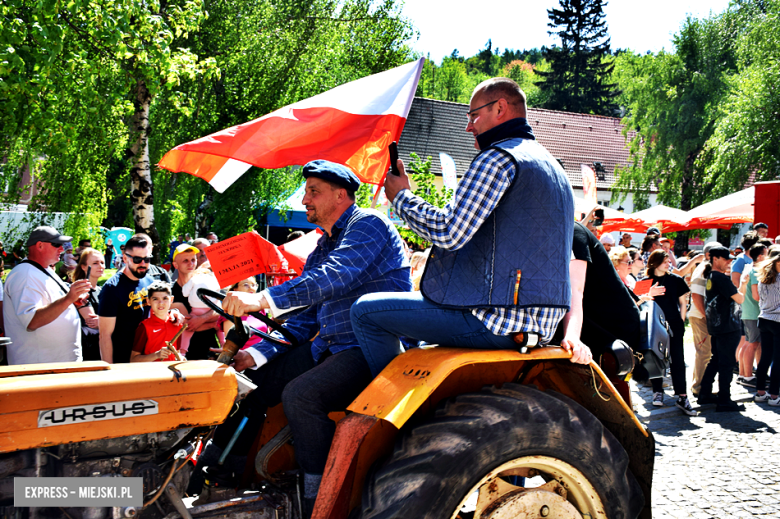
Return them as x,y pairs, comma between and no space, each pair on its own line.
435,126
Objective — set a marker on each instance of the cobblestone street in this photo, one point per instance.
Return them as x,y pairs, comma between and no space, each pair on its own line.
715,465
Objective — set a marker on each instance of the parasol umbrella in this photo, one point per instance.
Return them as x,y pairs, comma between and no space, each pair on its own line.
667,219
723,212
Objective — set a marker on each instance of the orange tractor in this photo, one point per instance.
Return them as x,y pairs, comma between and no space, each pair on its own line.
440,433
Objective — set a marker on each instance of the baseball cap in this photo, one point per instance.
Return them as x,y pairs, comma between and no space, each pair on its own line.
654,230
185,247
760,225
607,239
709,246
47,234
720,252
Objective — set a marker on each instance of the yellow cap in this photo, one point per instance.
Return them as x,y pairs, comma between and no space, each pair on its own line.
185,247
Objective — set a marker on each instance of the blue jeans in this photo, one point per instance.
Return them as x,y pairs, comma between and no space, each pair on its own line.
379,319
309,392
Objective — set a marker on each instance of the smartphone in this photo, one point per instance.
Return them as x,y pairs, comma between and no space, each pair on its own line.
89,271
598,217
394,159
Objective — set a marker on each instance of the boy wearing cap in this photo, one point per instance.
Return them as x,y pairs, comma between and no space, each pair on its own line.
39,309
725,328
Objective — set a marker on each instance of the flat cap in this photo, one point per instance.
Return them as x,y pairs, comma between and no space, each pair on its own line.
337,174
47,234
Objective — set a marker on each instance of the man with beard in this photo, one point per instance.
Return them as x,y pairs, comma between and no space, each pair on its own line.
123,297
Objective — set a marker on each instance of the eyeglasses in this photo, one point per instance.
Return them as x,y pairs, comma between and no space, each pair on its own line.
469,115
140,259
629,262
248,285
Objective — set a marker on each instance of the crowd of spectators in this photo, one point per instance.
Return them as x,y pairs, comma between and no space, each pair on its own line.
719,292
56,309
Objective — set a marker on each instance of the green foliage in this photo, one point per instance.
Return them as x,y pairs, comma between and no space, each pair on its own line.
456,77
581,66
672,102
68,71
425,188
746,136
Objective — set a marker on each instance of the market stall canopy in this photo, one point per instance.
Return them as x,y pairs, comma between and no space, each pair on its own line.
667,219
723,212
352,124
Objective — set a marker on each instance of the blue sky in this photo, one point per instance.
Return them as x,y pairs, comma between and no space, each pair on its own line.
445,25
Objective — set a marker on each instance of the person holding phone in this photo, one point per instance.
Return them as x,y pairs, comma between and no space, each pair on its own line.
91,266
39,309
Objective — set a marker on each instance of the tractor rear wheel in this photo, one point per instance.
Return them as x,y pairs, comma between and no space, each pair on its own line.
476,442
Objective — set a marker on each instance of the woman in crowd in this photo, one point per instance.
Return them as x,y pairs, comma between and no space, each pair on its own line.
637,267
621,259
94,262
673,303
769,327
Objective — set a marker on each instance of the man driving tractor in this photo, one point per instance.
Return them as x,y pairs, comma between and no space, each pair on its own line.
360,252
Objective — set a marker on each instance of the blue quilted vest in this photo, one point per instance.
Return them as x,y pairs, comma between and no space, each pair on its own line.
520,255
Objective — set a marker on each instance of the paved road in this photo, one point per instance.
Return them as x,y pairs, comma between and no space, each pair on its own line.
715,465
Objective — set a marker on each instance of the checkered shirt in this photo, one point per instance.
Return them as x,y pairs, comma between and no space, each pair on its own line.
363,255
451,227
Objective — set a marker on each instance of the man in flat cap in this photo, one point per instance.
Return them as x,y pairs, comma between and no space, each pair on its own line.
39,308
361,252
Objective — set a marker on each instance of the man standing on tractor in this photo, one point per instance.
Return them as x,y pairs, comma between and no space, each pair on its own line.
500,260
361,252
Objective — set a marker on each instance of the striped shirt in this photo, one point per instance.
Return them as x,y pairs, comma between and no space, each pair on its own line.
451,227
769,300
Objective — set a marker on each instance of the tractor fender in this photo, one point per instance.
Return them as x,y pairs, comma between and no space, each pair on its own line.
415,382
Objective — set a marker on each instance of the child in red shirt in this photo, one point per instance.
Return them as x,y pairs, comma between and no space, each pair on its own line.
154,333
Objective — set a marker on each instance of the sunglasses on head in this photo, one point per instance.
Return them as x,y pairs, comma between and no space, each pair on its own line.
139,259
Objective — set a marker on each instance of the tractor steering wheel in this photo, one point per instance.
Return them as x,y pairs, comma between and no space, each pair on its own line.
208,297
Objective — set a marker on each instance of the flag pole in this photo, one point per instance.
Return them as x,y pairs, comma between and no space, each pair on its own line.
378,189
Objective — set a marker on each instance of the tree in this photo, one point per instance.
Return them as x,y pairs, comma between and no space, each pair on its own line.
268,56
80,80
580,67
673,103
746,137
87,87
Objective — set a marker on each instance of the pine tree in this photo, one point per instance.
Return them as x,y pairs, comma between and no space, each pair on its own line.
580,67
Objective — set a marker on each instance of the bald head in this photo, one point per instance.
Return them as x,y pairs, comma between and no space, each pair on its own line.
501,88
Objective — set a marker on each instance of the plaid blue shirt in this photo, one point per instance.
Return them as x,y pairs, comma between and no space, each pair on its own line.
363,255
451,227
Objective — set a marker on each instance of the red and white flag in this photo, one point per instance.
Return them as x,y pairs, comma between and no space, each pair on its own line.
352,124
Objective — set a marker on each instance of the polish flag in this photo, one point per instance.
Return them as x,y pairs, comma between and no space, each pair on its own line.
352,124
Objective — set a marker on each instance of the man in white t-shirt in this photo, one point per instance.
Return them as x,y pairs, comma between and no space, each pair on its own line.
39,309
698,320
